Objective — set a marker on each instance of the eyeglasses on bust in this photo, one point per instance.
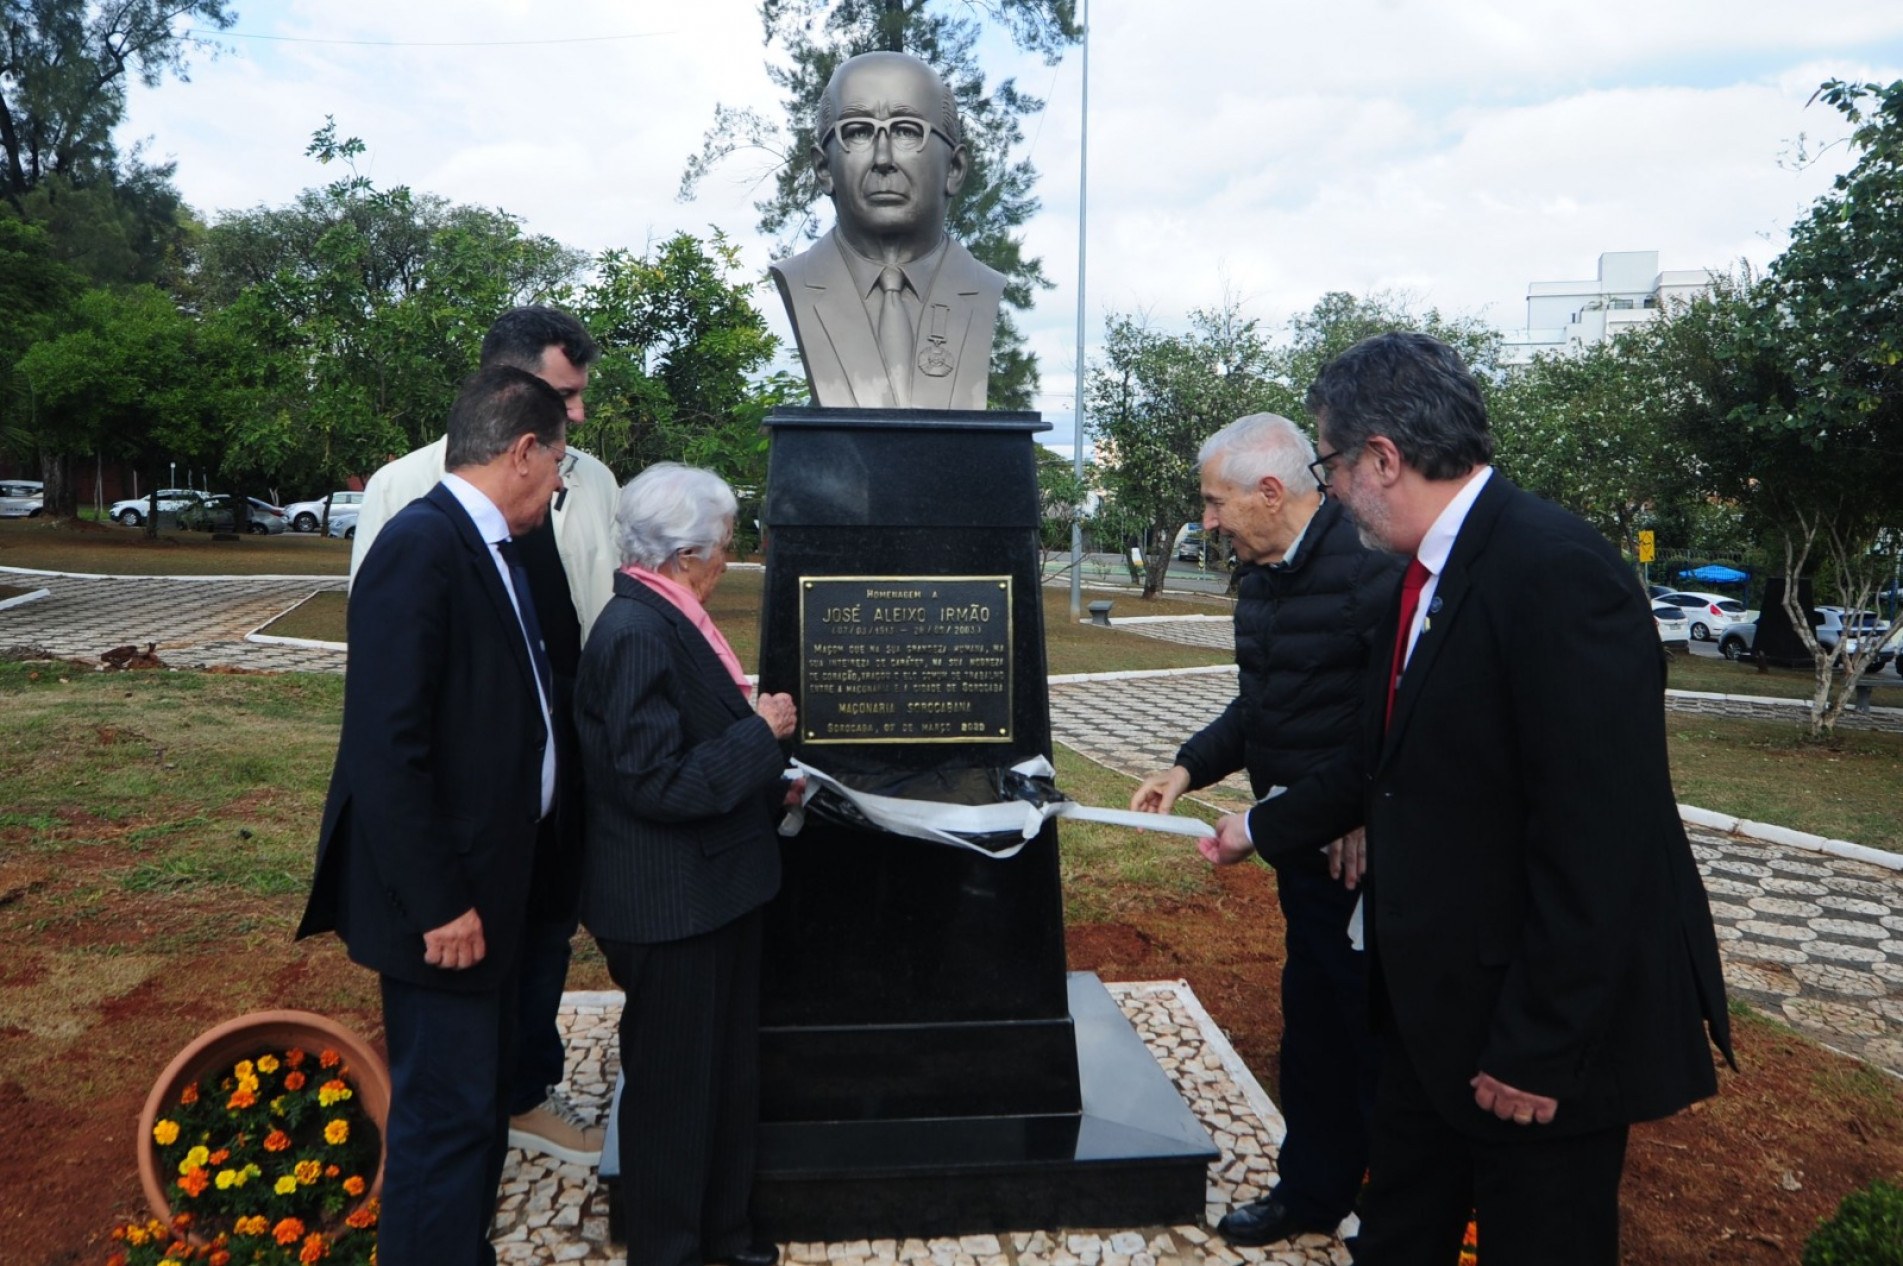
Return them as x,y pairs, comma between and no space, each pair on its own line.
906,133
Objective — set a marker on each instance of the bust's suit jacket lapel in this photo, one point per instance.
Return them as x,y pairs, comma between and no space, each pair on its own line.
1450,596
825,290
489,579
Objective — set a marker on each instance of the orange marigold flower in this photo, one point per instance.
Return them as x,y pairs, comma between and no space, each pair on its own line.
353,1185
294,1057
242,1098
331,1171
219,1257
218,1157
307,1171
254,1225
117,1259
337,1132
189,1094
330,1059
289,1231
277,1141
362,1217
181,1220
194,1183
314,1249
293,1080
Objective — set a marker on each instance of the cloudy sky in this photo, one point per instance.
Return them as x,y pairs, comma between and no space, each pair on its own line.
1454,150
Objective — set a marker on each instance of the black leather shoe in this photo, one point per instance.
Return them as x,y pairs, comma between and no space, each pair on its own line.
751,1255
1264,1221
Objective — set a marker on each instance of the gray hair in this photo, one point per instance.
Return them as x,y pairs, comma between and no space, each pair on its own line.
671,509
828,112
1261,444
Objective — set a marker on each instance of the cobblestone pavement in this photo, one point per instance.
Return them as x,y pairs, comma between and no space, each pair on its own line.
551,1211
198,622
1814,939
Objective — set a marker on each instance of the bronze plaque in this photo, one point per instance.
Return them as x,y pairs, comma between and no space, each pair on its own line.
905,659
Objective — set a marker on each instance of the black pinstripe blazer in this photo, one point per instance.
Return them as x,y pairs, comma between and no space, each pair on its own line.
683,778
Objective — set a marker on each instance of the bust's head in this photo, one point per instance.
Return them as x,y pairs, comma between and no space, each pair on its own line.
888,150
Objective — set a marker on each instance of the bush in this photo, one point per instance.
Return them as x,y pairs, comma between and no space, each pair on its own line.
1866,1230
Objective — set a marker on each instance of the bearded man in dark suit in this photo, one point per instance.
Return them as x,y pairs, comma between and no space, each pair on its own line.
446,785
887,309
1542,959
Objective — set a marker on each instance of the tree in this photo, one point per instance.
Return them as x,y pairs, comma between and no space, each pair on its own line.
1576,429
342,323
814,37
682,344
123,380
63,71
1152,400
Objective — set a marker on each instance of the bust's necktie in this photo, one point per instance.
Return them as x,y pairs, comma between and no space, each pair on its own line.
895,335
1411,585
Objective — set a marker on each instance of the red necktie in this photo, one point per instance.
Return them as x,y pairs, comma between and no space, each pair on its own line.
1411,586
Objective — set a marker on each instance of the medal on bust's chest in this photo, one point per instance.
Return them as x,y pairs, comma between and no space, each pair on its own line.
934,359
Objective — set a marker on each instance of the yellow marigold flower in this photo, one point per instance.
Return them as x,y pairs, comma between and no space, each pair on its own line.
277,1106
333,1092
170,1261
137,1235
229,1178
307,1171
285,1185
242,1069
267,1064
194,1159
337,1132
254,1225
166,1132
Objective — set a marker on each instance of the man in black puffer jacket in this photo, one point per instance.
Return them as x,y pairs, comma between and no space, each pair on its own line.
1311,595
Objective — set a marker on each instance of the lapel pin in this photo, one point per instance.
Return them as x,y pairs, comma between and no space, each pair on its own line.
1433,608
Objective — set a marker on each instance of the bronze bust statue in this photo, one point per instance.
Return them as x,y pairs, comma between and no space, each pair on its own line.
888,310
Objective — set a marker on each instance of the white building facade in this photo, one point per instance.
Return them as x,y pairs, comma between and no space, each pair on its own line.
1564,316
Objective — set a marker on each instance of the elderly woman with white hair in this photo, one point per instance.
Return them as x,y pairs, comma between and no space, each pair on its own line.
680,854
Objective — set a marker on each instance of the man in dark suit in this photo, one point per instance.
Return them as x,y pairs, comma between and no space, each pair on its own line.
888,311
446,786
1542,957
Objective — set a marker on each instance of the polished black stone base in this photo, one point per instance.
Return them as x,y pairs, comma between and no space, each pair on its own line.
1135,1156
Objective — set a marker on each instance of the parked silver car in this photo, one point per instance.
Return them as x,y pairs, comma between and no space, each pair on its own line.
343,524
22,498
215,514
1739,641
305,516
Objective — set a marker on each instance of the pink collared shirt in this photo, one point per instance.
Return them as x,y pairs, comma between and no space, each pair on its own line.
688,605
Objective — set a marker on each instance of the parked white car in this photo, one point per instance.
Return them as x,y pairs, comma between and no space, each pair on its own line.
1708,615
1674,628
131,511
21,498
343,523
305,516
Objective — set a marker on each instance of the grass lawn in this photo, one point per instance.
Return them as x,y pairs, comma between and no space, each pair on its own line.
1069,647
107,549
1847,789
1730,677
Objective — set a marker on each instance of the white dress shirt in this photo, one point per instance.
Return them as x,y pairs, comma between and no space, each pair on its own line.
495,530
1436,546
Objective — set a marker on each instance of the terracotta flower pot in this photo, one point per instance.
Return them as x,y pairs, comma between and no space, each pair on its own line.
242,1038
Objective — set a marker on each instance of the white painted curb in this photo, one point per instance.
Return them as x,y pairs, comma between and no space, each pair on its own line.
87,575
1769,833
306,643
21,599
1139,674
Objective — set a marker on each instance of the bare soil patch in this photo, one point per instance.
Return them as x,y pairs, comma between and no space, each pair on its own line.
1741,1179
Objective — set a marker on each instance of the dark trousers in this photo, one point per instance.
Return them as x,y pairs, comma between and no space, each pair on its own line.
1537,1200
448,1127
690,1112
540,1058
1329,1054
